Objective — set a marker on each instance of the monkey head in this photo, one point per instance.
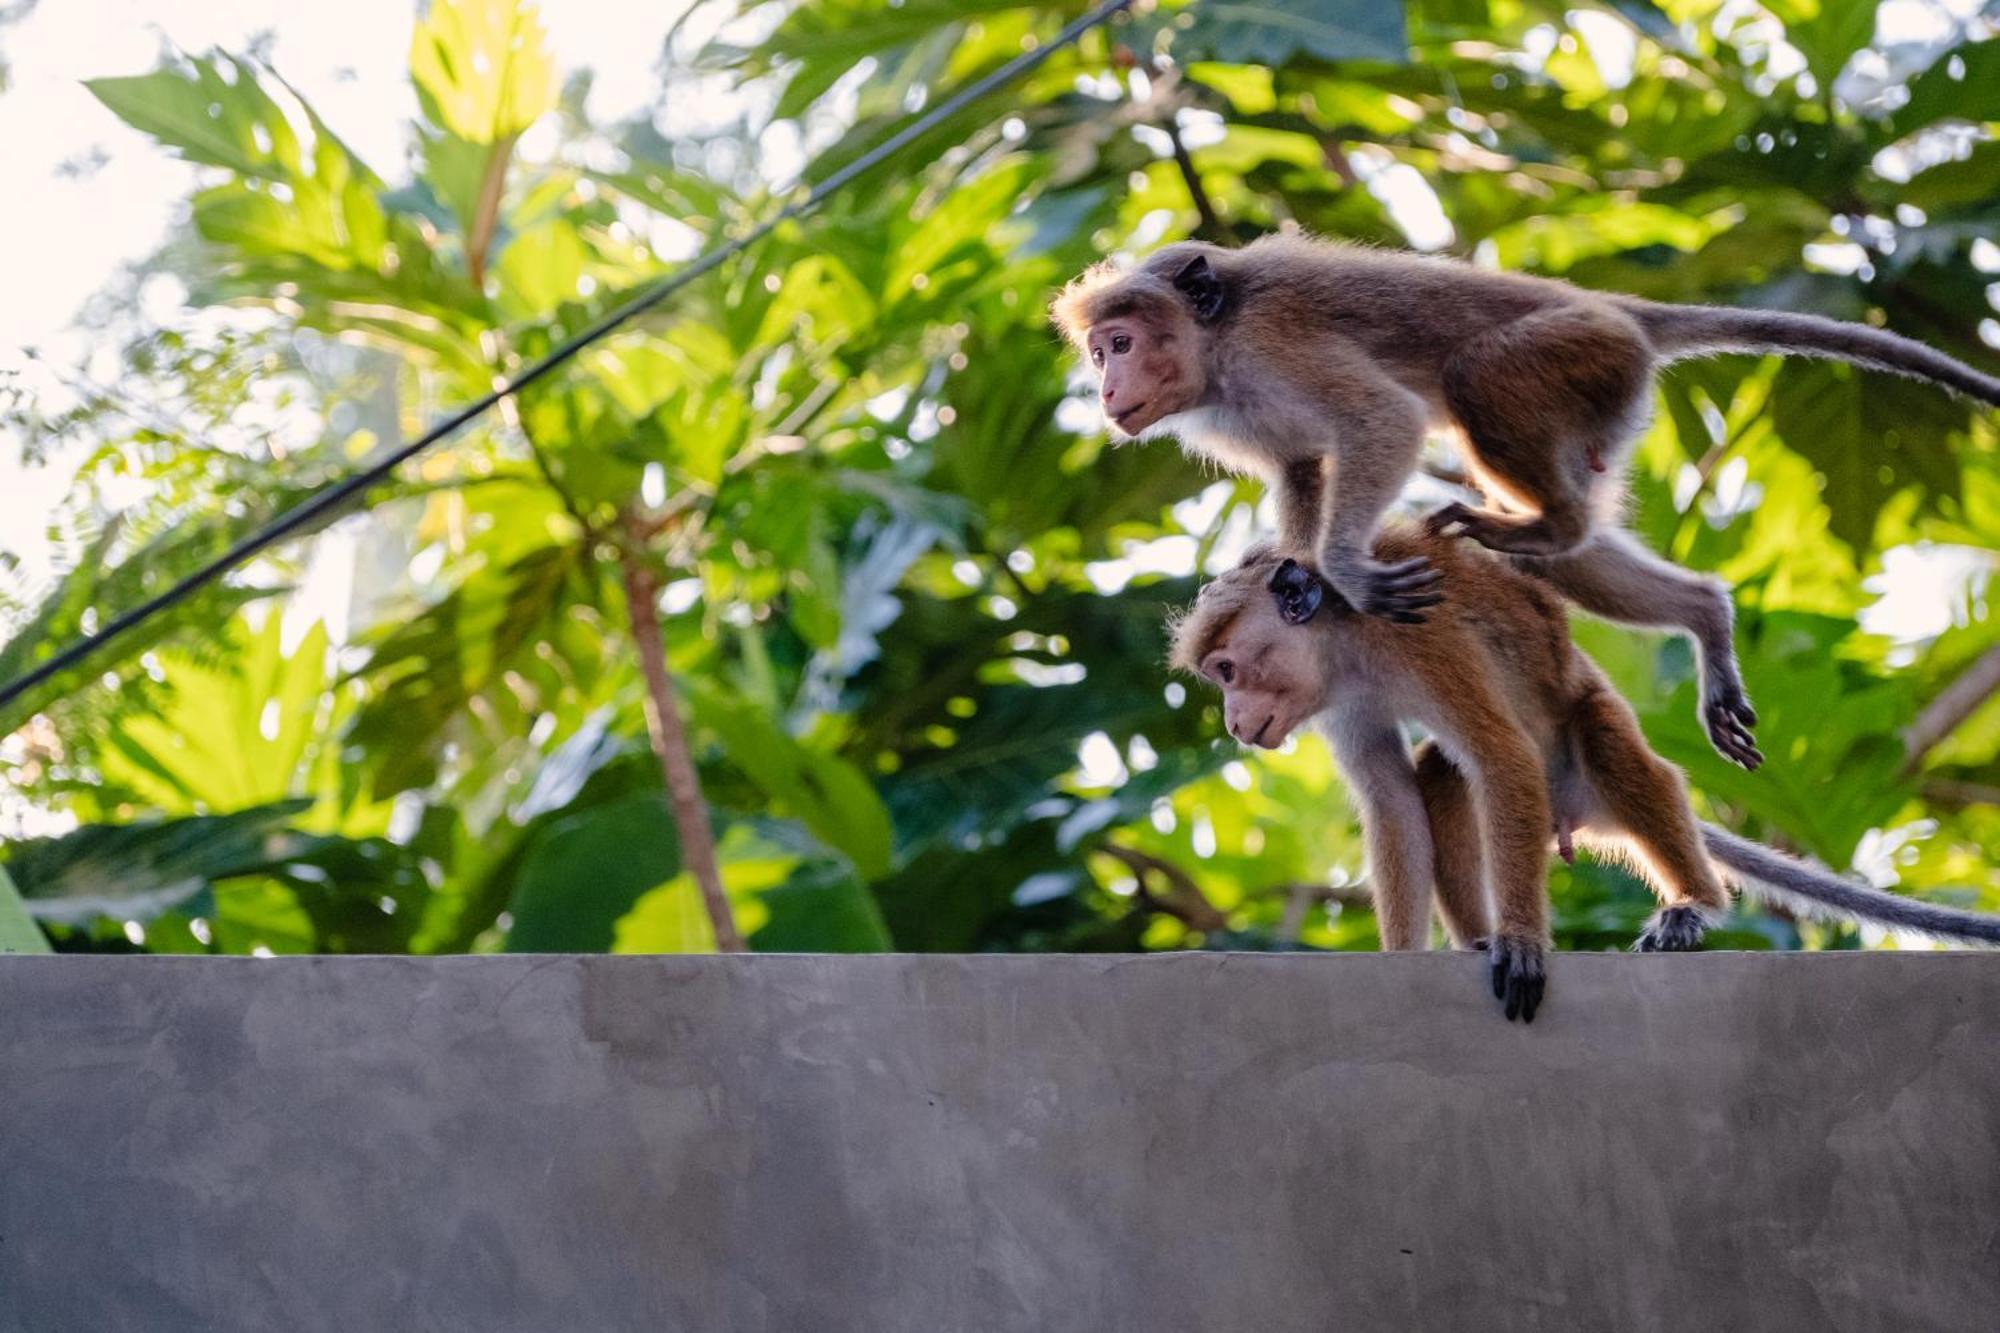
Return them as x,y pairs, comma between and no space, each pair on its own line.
1144,331
1249,635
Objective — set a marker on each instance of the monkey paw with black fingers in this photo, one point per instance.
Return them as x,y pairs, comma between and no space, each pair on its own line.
1679,929
1400,592
1520,974
1726,712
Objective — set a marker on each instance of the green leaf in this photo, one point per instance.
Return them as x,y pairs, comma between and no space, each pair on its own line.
541,268
1963,84
212,111
1871,436
824,792
1555,242
1826,32
1971,182
18,931
1274,32
233,729
141,869
821,908
669,919
482,68
586,871
674,919
424,674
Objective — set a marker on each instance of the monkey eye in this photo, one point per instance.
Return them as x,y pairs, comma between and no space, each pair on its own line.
1121,343
1097,357
1225,671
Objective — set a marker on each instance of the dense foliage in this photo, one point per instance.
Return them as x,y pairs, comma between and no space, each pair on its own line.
911,597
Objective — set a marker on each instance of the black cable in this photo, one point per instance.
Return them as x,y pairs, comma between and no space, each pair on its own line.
333,496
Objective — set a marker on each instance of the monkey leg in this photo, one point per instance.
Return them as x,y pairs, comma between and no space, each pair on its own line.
1548,404
1379,773
1459,870
1509,790
1644,800
1613,576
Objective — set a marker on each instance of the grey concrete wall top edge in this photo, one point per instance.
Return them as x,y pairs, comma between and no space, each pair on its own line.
1596,963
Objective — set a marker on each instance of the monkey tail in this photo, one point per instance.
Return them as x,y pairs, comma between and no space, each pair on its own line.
1807,889
1678,332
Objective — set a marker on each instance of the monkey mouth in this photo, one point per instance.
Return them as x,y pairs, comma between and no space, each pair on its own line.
1258,739
1119,419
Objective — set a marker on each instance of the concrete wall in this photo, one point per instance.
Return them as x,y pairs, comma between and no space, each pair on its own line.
1709,1142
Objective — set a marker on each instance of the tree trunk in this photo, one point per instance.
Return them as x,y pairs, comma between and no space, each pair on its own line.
663,725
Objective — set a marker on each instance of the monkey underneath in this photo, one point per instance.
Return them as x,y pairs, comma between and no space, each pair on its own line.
1320,366
1529,745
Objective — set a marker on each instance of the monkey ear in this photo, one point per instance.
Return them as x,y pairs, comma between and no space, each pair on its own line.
1197,282
1298,592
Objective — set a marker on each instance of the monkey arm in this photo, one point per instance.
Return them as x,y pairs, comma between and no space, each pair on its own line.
1510,793
1383,781
1300,490
1378,435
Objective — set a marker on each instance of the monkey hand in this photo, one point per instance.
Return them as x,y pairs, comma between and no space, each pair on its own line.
1520,973
1726,712
1677,929
1398,592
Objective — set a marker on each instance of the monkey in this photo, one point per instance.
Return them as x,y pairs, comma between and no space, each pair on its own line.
1321,366
1529,746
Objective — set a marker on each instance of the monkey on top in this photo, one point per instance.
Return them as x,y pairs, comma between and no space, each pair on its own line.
1320,366
1530,748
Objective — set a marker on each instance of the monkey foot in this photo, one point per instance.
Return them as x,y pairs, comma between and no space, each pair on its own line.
1398,592
1673,930
1510,534
1726,712
1451,520
1520,974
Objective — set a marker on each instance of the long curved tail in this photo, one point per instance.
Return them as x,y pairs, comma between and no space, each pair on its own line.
1815,892
1678,332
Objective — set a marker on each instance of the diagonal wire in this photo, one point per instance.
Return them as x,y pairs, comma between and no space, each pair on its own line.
307,511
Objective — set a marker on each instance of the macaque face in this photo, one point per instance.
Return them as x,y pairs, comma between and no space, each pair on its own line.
1143,374
1272,682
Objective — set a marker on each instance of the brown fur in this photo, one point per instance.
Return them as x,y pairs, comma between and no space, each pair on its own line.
1529,741
1319,351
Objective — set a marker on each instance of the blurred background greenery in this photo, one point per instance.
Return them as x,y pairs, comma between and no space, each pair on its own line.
908,598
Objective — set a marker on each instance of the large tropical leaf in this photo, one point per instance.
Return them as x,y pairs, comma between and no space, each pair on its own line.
586,871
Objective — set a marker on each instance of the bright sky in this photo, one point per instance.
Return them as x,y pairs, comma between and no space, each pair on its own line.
348,59
99,195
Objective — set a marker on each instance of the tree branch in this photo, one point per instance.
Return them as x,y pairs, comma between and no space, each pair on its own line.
1299,897
1955,703
1183,898
485,218
1953,792
670,746
1212,226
